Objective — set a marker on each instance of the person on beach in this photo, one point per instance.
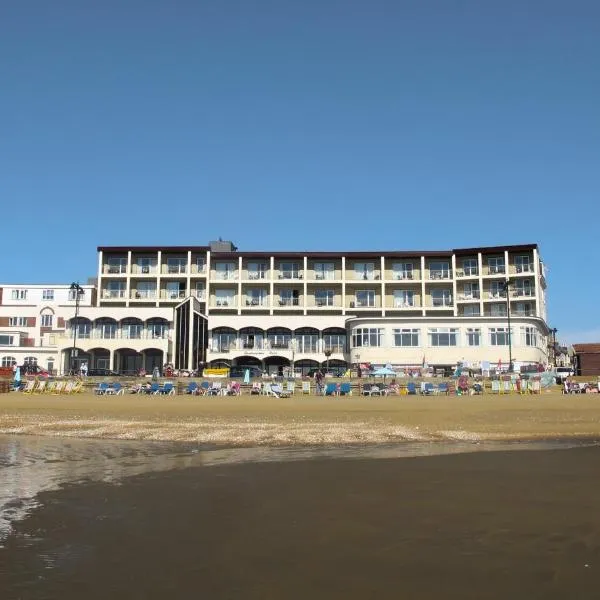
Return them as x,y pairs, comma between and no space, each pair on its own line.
319,382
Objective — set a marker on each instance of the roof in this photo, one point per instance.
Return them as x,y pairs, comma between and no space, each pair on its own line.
587,348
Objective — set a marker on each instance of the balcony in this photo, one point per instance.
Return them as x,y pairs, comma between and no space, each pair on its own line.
524,269
363,304
496,296
441,304
174,269
469,272
118,334
290,275
257,302
324,303
367,276
404,304
173,294
289,302
257,275
440,275
403,275
151,269
327,276
468,297
523,312
225,303
522,293
143,295
199,269
200,295
497,270
113,294
115,269
225,276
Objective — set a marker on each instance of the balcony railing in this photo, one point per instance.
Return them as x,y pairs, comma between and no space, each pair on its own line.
151,269
437,274
363,304
496,295
498,270
257,302
118,334
113,294
404,304
257,275
523,313
367,276
524,268
468,272
522,293
327,276
174,269
225,302
144,295
467,297
290,275
325,303
115,269
200,295
229,276
288,302
199,269
441,304
173,295
261,344
403,275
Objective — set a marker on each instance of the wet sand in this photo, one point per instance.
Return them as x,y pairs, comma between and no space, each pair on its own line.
498,525
260,420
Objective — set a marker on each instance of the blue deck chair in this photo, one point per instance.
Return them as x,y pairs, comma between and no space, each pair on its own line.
443,388
167,389
331,389
345,389
411,388
115,389
100,390
428,389
366,389
204,387
154,389
191,388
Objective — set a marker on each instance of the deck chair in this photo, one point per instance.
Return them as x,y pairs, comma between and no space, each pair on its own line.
168,389
256,389
116,389
191,388
495,386
463,385
50,387
428,389
331,389
154,389
375,391
290,388
99,390
345,389
59,387
215,388
204,387
29,386
411,388
443,388
306,387
41,386
77,387
278,391
366,389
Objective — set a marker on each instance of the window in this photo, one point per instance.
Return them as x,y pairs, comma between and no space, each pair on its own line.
470,266
107,330
223,341
175,290
471,310
367,337
325,270
146,265
47,320
524,309
76,293
117,265
441,297
200,291
145,290
470,291
473,337
443,336
82,328
17,321
499,336
524,288
30,360
8,361
524,264
439,270
530,336
404,298
307,342
225,270
157,329
200,264
131,329
289,297
497,310
365,298
257,270
402,270
224,297
289,270
47,294
336,342
497,289
324,297
19,295
364,270
279,338
176,265
6,340
496,265
256,297
406,337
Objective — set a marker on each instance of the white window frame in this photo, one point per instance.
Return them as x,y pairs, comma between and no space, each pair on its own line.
402,270
499,334
473,336
451,332
46,320
371,297
404,298
364,270
496,265
441,297
17,321
48,294
399,336
369,337
324,270
470,266
19,294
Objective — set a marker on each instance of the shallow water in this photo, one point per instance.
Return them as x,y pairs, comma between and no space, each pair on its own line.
31,464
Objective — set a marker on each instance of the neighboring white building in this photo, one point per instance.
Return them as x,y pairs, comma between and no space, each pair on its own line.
216,305
32,321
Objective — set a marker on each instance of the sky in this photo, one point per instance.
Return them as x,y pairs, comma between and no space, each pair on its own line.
316,125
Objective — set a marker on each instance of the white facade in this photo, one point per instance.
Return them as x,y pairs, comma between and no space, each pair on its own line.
276,309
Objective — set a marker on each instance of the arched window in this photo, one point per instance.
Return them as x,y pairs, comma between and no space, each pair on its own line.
30,360
47,317
8,361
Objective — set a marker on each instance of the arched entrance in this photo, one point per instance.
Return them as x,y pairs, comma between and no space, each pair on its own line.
99,358
337,367
248,361
152,357
128,361
276,365
305,365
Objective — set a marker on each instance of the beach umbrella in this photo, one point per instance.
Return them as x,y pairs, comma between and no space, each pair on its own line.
383,372
17,376
247,376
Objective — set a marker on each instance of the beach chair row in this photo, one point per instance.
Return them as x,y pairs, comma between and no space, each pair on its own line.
153,389
44,386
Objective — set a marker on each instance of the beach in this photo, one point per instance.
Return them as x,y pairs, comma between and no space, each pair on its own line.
262,420
257,497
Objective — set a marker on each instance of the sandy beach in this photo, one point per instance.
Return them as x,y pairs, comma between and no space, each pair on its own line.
261,420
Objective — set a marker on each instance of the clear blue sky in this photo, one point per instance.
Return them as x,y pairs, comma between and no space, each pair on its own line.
314,124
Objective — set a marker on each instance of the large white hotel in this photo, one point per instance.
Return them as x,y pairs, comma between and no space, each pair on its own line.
214,305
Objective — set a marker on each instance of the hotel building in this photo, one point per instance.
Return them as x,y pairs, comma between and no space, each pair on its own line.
214,305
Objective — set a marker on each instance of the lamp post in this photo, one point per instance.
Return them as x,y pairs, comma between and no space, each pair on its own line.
77,291
506,288
554,331
327,353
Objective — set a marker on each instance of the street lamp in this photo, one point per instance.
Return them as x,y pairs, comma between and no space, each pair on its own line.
506,288
554,331
77,291
327,353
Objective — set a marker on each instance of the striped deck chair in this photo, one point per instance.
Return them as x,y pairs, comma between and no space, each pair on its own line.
306,387
291,387
50,387
495,386
59,387
29,386
68,387
77,387
40,387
